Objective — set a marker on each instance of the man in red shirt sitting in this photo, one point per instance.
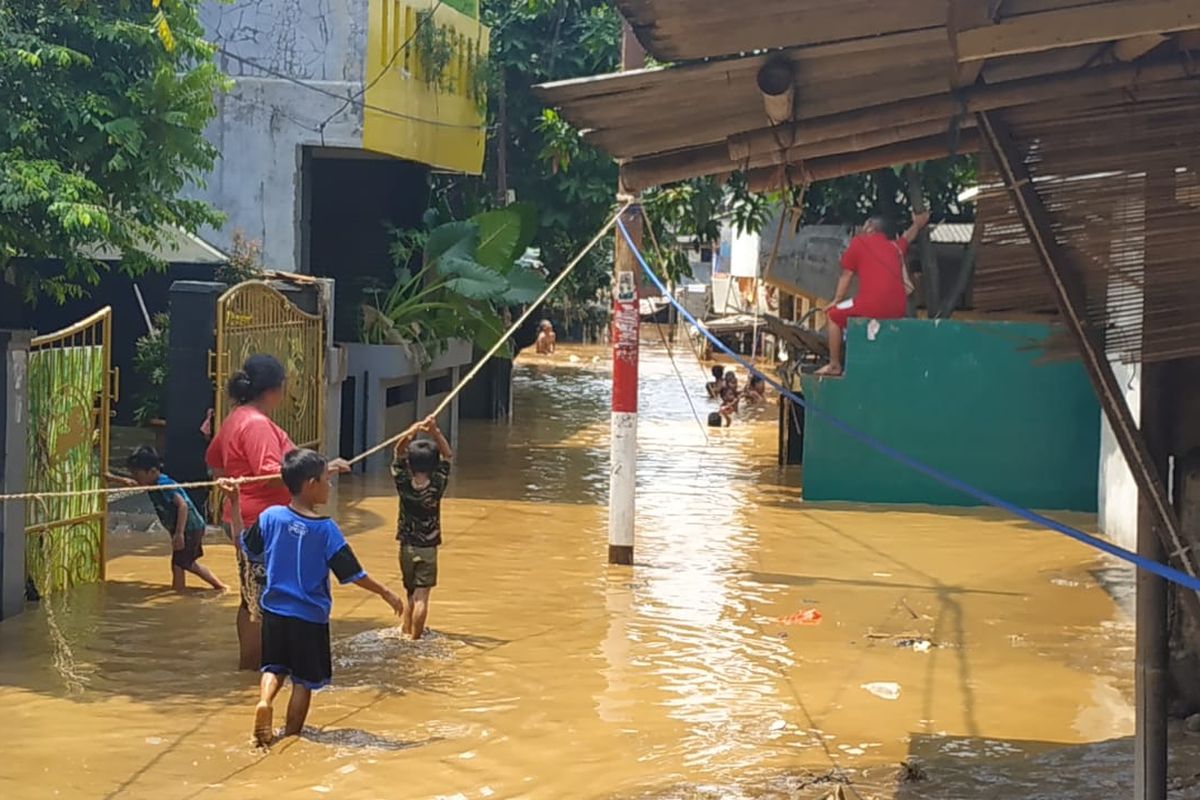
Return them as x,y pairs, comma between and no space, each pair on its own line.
878,261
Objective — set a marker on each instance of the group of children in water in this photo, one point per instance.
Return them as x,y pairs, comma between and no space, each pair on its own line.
296,547
724,387
288,550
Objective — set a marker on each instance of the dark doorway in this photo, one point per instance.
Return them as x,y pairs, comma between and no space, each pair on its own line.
350,199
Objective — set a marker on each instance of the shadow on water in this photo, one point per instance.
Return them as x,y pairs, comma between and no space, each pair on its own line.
955,768
958,767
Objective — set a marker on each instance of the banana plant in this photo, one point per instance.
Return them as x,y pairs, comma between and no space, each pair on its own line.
471,270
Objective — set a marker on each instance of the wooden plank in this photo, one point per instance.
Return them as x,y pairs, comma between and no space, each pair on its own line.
1067,27
678,30
965,15
637,129
840,61
1012,68
774,178
642,173
1066,282
1137,46
946,106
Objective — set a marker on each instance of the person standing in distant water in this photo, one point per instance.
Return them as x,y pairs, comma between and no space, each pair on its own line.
546,338
250,445
878,260
714,386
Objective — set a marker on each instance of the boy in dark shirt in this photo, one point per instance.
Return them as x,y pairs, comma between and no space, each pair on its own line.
177,514
300,547
421,470
714,386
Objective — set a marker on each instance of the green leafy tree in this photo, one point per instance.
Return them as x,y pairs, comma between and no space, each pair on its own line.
105,104
535,153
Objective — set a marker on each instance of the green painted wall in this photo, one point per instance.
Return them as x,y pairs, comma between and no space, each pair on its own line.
966,397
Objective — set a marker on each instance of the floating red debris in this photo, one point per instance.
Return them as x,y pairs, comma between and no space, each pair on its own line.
809,616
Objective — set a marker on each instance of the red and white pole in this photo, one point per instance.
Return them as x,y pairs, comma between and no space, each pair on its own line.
622,483
622,479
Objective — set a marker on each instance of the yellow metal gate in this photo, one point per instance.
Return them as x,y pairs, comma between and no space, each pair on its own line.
253,317
71,385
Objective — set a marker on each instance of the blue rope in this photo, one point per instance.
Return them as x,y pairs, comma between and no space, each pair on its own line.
987,498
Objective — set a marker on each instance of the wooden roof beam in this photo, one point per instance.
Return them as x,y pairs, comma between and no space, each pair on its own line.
1066,27
963,15
694,162
1135,47
983,97
768,179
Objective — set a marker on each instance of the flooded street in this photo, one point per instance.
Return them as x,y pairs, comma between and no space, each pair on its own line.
989,650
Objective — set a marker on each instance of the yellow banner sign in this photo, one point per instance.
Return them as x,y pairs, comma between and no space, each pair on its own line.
426,98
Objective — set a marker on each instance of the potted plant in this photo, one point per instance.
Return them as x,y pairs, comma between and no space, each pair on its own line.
150,361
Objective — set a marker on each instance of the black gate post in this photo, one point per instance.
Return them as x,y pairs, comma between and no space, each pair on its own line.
190,387
14,444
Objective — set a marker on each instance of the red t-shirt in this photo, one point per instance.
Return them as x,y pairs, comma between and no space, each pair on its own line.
878,262
247,445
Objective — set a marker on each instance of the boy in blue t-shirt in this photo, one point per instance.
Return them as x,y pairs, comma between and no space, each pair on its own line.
300,547
177,514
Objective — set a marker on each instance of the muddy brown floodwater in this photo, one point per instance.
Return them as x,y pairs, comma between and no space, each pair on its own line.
550,675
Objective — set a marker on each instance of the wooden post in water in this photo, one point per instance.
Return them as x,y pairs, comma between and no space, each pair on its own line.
622,483
1150,632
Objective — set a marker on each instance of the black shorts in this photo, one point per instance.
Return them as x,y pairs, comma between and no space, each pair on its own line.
193,550
296,648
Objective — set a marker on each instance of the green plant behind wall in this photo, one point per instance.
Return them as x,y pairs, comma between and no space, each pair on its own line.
150,361
470,271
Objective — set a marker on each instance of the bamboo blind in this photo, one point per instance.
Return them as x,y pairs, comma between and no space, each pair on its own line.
1122,188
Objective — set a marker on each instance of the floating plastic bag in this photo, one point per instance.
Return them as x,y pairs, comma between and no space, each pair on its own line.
882,690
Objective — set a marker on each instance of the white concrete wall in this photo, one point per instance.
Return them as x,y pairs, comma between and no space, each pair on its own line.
1118,495
1118,501
744,255
265,120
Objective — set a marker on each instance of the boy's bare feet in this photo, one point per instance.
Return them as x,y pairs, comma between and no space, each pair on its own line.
264,731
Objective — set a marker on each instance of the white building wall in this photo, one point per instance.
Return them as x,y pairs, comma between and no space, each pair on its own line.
1118,501
265,120
1117,504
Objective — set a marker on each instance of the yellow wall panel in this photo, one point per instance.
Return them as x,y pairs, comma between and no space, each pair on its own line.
409,115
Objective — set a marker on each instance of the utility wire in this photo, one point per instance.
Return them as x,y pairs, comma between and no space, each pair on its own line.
421,20
335,95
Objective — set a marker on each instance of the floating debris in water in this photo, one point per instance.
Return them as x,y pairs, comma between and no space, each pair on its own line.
883,690
778,725
916,645
809,616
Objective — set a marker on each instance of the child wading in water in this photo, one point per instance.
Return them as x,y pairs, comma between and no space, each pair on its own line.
300,547
421,470
177,514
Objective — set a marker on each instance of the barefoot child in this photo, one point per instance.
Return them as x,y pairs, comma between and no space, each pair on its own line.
299,548
177,514
421,470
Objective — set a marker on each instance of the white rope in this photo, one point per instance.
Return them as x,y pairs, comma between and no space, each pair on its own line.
382,445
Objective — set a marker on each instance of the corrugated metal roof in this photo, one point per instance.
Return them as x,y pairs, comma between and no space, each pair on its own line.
952,232
178,247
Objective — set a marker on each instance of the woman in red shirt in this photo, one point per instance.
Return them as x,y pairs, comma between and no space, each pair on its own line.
248,445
